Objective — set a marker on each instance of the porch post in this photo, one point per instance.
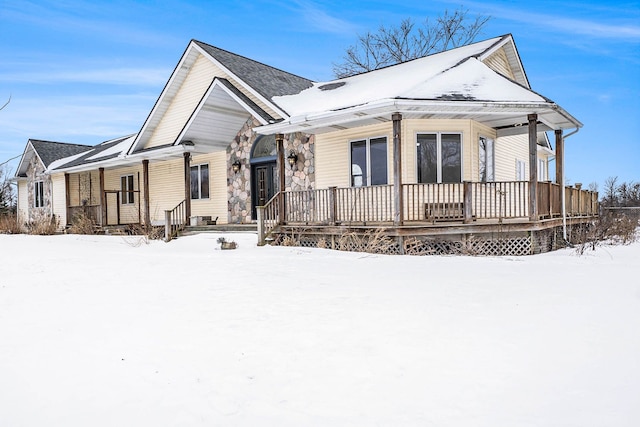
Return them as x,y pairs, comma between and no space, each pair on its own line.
187,187
281,180
397,169
533,167
67,197
103,198
559,158
145,178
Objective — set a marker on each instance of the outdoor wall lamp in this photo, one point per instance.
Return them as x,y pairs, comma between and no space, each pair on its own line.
236,166
292,158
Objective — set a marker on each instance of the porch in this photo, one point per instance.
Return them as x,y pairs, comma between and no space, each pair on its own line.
453,213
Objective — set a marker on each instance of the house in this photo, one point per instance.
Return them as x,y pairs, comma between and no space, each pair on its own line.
436,153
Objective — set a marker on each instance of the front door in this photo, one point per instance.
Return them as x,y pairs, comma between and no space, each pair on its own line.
264,185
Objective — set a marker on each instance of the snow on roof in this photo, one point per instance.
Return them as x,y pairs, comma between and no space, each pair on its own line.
449,75
117,149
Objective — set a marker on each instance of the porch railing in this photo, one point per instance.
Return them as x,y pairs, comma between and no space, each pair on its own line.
175,220
426,203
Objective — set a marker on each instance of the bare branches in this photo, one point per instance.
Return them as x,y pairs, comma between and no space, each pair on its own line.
395,44
6,103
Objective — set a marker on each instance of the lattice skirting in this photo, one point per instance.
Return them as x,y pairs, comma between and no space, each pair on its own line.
372,241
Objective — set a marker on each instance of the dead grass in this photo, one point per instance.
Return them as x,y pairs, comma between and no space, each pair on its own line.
9,224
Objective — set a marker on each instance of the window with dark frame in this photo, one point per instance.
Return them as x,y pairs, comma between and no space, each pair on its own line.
127,196
369,162
200,181
38,190
439,157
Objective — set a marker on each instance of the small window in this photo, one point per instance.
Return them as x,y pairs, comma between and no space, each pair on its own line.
200,182
369,162
487,159
38,190
520,170
126,188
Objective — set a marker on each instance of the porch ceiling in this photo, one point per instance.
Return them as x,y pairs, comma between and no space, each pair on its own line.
215,123
507,118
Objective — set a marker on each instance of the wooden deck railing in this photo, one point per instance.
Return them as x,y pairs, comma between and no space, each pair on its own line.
465,202
175,220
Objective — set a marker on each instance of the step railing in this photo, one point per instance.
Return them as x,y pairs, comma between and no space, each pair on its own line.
175,220
268,218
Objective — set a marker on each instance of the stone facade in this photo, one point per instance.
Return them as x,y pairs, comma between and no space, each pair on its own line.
35,173
299,177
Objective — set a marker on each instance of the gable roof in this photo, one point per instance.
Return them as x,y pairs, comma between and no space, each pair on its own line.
47,152
264,79
450,84
241,76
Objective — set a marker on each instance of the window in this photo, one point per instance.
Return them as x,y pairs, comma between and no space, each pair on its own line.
486,157
439,157
126,188
369,162
38,191
200,182
542,170
520,170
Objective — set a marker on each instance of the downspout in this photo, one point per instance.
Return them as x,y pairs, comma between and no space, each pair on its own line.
564,201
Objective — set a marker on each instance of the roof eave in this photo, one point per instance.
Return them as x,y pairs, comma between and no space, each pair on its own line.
309,122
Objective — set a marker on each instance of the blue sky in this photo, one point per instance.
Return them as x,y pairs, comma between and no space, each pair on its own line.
88,71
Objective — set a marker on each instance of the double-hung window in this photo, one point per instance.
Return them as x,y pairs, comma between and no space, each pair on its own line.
200,181
369,162
439,157
542,170
486,156
126,188
38,191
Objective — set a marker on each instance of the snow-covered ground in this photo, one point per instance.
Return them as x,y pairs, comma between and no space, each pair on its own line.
111,331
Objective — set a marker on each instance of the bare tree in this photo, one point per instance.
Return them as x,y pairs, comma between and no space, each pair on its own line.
6,103
396,44
7,195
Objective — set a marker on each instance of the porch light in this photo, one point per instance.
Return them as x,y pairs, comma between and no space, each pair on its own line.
292,158
236,166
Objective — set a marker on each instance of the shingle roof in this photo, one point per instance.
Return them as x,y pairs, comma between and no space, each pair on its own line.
50,151
266,80
96,153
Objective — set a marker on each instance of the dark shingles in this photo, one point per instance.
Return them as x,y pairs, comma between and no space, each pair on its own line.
50,151
266,80
94,152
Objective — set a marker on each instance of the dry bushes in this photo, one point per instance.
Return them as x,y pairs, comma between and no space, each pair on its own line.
9,224
611,227
82,224
44,225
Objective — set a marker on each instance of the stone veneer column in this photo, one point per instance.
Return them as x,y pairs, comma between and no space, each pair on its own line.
300,176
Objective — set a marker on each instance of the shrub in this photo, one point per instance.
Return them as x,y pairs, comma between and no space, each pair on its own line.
44,225
82,224
9,224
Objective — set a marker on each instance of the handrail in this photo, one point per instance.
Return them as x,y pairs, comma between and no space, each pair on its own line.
268,217
175,220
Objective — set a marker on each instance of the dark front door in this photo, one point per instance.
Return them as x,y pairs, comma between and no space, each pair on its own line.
263,185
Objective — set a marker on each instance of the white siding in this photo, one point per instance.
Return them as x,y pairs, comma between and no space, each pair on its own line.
128,212
23,200
498,62
216,204
59,198
508,150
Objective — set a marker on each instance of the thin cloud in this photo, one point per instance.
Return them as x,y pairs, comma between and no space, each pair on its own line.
315,17
605,28
154,77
